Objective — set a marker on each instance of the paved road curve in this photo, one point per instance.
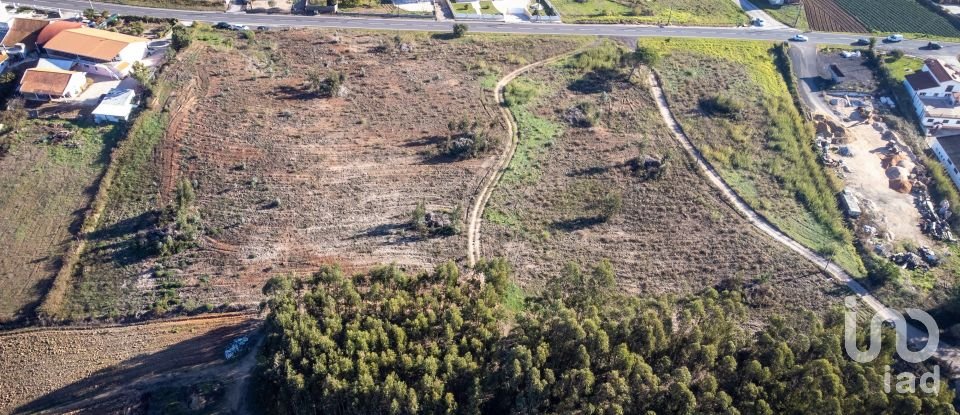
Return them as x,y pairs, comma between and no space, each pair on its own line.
382,23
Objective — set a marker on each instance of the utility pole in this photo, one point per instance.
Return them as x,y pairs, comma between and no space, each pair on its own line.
670,16
799,11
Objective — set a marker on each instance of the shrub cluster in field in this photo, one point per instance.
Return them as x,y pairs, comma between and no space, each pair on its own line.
466,140
436,223
177,225
442,342
605,56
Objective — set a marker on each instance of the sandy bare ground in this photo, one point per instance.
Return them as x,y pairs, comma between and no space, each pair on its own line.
868,179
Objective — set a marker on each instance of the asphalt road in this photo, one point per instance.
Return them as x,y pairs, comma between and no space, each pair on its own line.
383,23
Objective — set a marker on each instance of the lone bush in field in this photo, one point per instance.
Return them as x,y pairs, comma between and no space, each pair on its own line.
605,56
879,270
610,205
329,86
180,38
418,219
177,226
896,54
722,106
519,93
466,140
640,56
459,30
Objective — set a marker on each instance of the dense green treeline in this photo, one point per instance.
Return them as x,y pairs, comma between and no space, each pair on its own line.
445,342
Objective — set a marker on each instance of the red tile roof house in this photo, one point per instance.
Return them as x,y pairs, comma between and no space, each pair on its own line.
935,94
47,84
97,51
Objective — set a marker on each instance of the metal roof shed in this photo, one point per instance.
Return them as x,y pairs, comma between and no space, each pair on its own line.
116,106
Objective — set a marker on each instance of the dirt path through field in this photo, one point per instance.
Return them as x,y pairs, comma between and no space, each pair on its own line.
946,354
490,181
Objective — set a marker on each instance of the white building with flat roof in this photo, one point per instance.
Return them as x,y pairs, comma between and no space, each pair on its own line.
935,94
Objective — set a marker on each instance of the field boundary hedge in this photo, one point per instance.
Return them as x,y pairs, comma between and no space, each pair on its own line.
785,66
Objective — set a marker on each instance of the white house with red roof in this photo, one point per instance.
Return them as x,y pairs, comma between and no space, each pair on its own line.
935,91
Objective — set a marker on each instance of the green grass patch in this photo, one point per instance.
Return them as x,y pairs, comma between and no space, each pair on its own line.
679,12
91,143
45,189
923,280
510,220
904,66
489,81
214,37
486,7
463,8
519,92
536,136
514,298
135,186
605,56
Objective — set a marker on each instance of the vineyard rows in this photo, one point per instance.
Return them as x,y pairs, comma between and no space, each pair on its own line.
827,16
905,16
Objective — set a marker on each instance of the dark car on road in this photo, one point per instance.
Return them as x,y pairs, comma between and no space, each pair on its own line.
933,46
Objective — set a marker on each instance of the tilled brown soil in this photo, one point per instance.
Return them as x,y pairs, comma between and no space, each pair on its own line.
827,16
673,234
43,368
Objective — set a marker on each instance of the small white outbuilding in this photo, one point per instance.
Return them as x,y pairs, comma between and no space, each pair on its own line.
115,106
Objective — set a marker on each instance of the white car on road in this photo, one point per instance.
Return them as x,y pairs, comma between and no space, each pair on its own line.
895,38
799,38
